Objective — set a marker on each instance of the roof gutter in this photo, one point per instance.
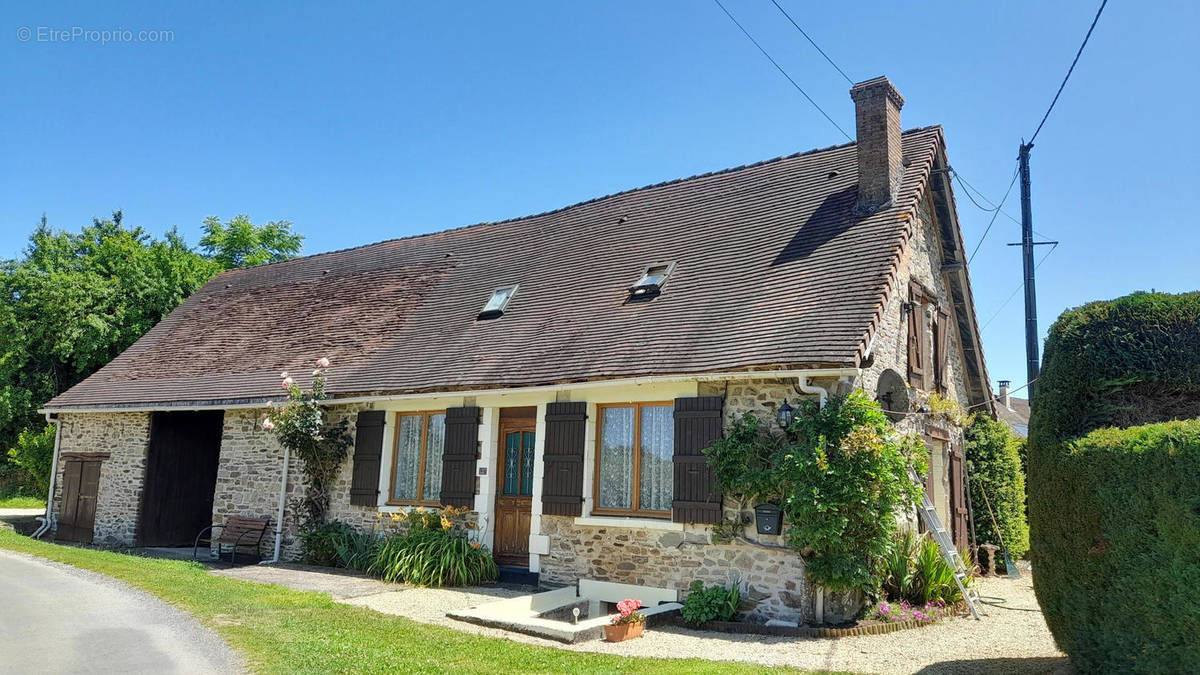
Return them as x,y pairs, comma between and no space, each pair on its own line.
380,398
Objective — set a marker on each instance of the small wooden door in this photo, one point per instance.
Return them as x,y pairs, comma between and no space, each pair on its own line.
81,485
958,500
514,490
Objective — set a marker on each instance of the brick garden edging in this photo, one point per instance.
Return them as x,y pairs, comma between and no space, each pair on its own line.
814,632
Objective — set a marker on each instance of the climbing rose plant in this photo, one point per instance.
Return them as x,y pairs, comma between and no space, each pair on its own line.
300,425
840,474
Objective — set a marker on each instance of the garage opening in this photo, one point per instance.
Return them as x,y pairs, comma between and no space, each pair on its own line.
181,474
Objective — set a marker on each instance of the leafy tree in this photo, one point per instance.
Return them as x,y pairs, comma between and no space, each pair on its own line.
74,301
994,463
240,243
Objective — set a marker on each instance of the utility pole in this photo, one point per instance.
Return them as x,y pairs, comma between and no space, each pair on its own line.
1032,362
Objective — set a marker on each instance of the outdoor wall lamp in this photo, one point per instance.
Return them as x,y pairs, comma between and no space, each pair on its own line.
785,414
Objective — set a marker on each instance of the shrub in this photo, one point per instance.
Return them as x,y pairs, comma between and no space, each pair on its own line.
433,556
338,544
1114,516
714,603
841,475
914,571
994,465
34,453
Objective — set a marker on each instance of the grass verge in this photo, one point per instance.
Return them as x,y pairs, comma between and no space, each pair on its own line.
280,630
22,503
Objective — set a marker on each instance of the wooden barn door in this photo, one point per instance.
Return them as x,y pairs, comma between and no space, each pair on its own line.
514,485
181,474
80,487
958,500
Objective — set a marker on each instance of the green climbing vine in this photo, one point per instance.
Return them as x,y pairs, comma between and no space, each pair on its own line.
840,475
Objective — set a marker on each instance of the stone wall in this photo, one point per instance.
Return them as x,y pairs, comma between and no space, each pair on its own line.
125,437
250,471
772,580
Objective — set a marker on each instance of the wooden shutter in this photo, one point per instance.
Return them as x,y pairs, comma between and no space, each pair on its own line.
941,348
697,499
562,483
958,500
368,456
916,336
460,455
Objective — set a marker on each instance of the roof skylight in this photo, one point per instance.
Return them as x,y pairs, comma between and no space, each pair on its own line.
496,304
652,280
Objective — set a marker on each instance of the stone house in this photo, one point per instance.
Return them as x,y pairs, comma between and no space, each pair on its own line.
560,373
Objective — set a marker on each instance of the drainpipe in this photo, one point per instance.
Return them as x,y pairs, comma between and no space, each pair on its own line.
822,395
48,519
287,455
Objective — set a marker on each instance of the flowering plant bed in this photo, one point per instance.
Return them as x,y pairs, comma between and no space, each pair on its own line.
894,617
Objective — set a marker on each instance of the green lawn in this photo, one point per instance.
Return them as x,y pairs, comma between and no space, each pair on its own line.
280,630
22,503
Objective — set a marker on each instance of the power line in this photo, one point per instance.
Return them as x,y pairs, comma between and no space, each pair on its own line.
1069,71
811,42
995,212
1017,289
781,70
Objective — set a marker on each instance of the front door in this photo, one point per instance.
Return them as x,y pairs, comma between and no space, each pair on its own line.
81,485
514,489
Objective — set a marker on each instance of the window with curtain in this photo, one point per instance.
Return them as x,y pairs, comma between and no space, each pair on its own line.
635,445
417,458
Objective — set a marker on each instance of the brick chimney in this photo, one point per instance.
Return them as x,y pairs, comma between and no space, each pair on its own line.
1004,386
877,124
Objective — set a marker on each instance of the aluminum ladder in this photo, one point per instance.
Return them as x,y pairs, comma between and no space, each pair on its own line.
950,553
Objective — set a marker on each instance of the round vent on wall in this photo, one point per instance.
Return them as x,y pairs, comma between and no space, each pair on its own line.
892,394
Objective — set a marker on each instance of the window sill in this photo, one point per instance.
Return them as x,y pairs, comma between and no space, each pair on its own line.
632,523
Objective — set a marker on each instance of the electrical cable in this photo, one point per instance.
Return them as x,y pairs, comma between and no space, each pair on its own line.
811,42
1069,71
781,70
1017,289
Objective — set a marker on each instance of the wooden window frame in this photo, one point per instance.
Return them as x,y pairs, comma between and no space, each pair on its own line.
597,510
926,368
425,415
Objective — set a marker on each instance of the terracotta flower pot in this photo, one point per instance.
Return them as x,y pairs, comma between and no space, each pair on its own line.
624,631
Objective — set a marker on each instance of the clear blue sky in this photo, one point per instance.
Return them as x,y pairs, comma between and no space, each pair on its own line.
360,123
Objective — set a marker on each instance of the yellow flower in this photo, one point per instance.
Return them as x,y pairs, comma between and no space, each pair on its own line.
420,509
446,524
403,515
379,514
395,517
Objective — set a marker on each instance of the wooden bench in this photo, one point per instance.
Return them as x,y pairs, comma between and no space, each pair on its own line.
237,532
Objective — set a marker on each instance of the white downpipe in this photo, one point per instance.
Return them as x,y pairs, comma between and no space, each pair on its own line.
822,395
820,392
287,455
48,519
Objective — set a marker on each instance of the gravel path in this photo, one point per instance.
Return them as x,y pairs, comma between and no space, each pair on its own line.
1009,639
60,619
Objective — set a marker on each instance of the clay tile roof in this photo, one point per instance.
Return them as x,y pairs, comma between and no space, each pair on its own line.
773,269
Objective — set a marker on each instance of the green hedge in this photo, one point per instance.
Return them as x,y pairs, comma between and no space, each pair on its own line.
994,462
1114,517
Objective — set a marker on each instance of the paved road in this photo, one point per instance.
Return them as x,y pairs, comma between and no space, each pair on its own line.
58,619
